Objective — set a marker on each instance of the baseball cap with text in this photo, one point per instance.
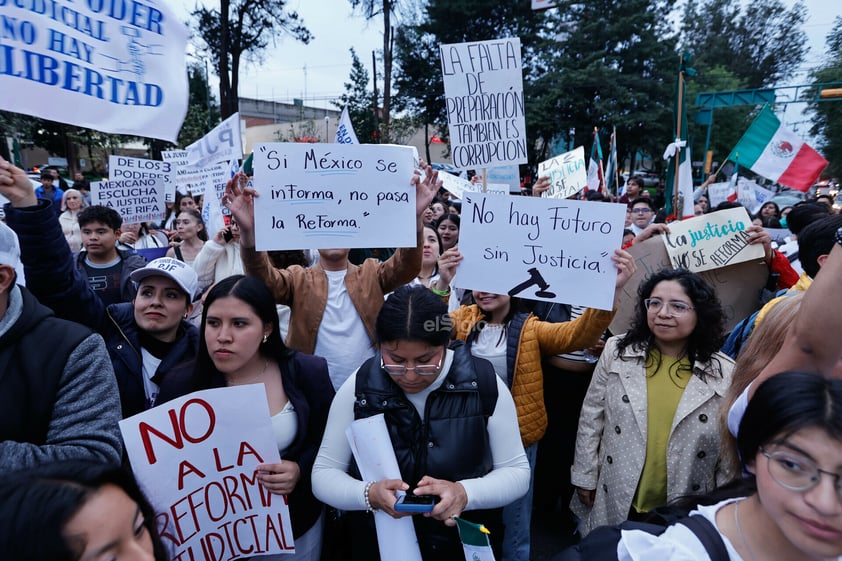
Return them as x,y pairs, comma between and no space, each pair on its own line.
180,272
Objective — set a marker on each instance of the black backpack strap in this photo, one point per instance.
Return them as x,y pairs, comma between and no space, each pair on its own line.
708,535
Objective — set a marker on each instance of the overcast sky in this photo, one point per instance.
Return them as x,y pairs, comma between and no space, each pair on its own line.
317,71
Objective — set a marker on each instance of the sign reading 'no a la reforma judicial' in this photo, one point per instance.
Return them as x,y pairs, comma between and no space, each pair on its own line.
483,89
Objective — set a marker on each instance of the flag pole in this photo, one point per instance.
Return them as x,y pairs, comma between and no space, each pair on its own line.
680,102
616,163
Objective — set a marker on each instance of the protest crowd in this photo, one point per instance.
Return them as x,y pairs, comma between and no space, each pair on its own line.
191,369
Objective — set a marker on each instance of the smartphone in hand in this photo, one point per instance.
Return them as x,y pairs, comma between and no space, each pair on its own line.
416,503
227,235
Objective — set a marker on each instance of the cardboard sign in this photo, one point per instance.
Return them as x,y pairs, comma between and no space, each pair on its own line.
222,144
567,172
333,195
115,66
195,459
136,200
122,168
737,286
483,89
711,241
540,249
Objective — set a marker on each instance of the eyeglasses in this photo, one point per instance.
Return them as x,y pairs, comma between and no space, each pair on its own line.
675,308
797,473
641,210
420,369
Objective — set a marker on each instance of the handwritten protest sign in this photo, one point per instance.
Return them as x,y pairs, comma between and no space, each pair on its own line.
195,458
540,249
455,184
459,186
187,179
567,172
720,192
222,144
136,200
483,88
333,195
124,171
114,66
711,241
737,286
751,195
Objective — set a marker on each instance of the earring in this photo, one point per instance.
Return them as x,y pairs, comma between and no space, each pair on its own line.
185,316
265,338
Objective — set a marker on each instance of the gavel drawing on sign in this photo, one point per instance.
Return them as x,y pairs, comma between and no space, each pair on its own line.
535,278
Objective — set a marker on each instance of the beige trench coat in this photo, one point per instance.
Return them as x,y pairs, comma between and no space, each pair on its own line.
611,441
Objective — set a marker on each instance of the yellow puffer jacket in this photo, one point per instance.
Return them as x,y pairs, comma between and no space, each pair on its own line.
537,339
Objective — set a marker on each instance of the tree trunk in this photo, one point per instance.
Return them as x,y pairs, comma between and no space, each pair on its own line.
387,68
225,92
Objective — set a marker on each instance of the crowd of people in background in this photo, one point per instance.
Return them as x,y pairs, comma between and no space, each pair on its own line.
505,410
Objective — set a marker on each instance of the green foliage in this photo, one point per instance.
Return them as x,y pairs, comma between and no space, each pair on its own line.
202,111
360,102
827,115
418,83
614,64
761,43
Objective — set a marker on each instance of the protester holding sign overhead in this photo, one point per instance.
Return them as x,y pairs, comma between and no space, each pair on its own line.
334,304
648,432
146,337
241,344
515,343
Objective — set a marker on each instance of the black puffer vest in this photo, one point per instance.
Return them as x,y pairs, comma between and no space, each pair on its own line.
450,443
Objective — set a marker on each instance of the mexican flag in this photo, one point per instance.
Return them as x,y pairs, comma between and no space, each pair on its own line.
771,150
474,541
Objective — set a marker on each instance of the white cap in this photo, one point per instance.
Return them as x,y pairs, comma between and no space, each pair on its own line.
9,248
179,271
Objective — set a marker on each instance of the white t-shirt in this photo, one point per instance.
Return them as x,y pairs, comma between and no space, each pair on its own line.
491,344
508,480
342,339
150,367
677,543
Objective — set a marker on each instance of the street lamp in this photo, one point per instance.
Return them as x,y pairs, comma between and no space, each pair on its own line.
327,124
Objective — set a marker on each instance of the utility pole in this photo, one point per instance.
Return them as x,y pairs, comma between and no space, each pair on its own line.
376,118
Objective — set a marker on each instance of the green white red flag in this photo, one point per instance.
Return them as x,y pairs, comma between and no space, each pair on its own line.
775,152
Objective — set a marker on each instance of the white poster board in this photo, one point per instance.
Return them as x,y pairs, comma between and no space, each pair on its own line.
509,175
720,192
187,179
333,196
375,456
483,89
135,200
567,172
195,459
125,169
540,249
751,195
223,143
711,241
115,66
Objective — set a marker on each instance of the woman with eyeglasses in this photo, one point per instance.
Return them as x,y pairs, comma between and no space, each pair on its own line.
648,430
789,506
452,424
